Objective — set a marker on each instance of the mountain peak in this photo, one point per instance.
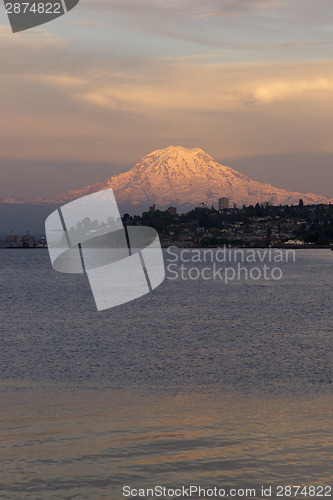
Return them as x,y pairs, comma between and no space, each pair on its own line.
175,162
185,177
177,151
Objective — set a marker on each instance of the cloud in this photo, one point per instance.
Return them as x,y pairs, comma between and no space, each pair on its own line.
99,112
186,86
196,7
59,80
288,45
87,23
188,20
36,39
283,90
113,95
215,8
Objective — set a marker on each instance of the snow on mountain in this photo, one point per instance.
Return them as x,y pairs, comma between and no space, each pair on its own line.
179,176
182,177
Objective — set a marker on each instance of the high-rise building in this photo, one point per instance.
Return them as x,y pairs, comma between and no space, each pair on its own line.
223,203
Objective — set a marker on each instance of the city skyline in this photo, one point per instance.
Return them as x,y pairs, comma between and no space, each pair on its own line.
86,96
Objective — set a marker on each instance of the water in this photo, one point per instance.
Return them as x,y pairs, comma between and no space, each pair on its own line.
199,383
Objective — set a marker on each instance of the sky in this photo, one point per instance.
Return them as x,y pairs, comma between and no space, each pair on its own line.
250,82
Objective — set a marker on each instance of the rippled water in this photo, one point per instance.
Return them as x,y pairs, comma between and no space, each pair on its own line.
198,383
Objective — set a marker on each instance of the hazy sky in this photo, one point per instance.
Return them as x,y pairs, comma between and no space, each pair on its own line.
87,95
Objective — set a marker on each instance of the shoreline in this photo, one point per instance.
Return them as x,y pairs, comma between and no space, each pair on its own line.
278,247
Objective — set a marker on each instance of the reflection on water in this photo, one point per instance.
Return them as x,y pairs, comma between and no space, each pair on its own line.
248,336
58,443
197,383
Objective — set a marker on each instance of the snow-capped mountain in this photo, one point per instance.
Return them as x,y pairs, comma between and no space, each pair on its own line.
184,177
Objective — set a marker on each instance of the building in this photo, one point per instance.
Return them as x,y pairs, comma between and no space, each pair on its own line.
152,208
172,210
223,203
